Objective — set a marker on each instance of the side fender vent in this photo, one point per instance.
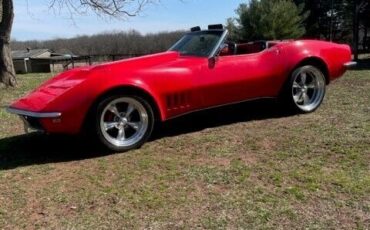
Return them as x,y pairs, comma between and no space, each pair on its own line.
178,101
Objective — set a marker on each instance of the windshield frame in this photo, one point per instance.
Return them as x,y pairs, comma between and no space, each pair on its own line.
216,48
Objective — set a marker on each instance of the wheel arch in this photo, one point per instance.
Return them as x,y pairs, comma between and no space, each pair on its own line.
123,89
317,62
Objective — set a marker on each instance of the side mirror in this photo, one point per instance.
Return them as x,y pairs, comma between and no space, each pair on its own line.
212,62
223,50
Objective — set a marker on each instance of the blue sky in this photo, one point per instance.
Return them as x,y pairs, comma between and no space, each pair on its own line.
34,20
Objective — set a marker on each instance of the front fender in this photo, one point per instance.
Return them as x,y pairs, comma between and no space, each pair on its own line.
77,102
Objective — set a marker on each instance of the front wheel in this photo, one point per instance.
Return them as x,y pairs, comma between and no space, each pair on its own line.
124,122
306,89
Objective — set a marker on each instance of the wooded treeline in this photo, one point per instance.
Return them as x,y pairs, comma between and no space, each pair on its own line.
336,20
108,43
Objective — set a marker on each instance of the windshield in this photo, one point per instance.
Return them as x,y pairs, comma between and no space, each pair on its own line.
200,44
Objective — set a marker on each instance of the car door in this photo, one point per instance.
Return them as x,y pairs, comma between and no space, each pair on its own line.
238,78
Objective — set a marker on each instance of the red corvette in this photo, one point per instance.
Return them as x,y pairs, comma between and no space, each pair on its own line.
121,101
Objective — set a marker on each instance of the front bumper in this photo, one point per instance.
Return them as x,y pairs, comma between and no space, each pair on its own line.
32,120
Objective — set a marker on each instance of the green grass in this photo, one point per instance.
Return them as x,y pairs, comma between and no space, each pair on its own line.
251,169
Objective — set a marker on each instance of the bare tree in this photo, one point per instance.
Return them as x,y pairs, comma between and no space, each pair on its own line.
7,73
112,8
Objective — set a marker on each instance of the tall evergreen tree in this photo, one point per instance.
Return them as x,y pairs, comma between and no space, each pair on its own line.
269,19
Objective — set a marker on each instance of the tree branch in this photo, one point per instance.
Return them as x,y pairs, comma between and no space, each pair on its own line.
112,8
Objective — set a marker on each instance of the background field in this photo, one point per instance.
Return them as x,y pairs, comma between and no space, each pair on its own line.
244,166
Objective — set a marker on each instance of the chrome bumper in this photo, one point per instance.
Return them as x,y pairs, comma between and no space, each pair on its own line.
31,119
350,64
33,114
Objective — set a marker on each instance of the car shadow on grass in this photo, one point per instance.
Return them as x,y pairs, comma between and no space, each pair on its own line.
226,115
36,148
39,148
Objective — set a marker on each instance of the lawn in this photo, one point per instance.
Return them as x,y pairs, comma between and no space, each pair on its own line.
248,166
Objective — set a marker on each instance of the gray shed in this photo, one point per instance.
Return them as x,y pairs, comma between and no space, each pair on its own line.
31,60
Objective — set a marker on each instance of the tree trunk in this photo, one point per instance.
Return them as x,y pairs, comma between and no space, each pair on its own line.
7,73
364,41
355,29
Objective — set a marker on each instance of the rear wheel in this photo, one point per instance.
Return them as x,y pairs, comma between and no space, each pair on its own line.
306,89
124,122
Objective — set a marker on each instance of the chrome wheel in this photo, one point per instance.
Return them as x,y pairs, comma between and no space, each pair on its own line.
124,122
308,88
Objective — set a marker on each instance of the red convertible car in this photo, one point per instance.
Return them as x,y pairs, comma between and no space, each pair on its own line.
121,101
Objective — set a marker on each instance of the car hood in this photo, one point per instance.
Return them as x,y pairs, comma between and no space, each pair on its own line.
40,97
146,61
127,67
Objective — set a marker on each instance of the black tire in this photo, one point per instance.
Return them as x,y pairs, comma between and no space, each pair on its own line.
307,96
107,138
